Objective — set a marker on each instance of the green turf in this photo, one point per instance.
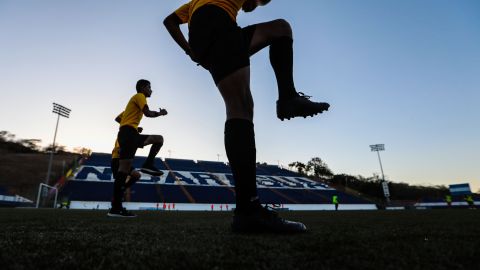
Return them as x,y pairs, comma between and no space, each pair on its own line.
76,239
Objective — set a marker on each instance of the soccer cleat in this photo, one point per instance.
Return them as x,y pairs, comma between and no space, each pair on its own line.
151,169
264,220
122,212
299,106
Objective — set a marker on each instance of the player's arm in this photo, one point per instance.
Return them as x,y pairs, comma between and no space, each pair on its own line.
118,119
172,22
146,111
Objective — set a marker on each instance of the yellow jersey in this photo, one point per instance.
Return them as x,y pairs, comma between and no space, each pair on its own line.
116,150
133,113
230,6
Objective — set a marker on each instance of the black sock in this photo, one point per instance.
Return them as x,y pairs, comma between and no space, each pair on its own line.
154,149
118,189
241,153
281,59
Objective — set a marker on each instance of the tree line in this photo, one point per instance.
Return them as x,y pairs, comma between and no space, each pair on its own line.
9,143
318,170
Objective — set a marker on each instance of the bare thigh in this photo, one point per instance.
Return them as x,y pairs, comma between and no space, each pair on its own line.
153,139
235,90
265,33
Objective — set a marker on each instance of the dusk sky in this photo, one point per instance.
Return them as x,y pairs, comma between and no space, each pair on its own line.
404,73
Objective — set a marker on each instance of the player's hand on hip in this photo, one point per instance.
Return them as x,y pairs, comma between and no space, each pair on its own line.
192,57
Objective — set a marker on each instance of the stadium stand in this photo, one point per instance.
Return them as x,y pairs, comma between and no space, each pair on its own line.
199,185
214,166
183,165
273,170
10,200
457,202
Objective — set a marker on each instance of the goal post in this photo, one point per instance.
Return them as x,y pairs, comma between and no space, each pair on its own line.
45,195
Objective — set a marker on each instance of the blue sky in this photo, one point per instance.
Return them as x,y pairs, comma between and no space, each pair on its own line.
402,73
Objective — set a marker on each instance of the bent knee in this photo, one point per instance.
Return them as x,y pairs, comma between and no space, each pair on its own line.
283,27
158,139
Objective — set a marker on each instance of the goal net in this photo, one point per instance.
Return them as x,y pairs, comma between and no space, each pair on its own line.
47,196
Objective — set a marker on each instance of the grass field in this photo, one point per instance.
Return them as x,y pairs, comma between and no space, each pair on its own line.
81,239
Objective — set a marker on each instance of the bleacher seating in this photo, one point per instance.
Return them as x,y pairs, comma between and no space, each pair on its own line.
98,159
183,165
204,194
8,199
274,170
214,166
202,182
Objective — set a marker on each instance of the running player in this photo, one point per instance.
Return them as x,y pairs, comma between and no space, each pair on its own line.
223,48
129,140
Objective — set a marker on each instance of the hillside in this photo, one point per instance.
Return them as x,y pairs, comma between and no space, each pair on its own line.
21,173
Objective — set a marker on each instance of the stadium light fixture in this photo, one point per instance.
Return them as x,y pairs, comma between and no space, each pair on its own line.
60,111
377,148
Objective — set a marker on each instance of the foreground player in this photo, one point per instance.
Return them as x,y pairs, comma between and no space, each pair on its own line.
218,44
129,140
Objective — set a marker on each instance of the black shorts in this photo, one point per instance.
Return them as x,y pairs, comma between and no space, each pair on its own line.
220,45
130,140
115,165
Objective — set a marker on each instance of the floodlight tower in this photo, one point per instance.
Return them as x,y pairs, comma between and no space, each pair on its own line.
60,111
377,148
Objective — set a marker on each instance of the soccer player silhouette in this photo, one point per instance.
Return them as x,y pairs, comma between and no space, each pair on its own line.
129,140
218,44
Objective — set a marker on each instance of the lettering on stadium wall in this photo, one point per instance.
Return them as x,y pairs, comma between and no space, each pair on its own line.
104,174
